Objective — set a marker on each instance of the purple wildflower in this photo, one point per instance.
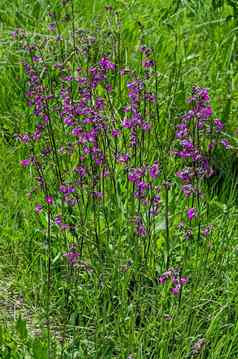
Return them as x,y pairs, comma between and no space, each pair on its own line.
165,276
25,163
156,199
24,138
81,171
154,170
148,63
122,158
135,174
49,200
38,208
52,27
97,194
207,230
186,174
188,234
187,190
183,280
191,213
225,143
187,144
106,64
145,50
182,131
176,290
58,220
66,189
141,230
72,256
116,133
218,124
64,226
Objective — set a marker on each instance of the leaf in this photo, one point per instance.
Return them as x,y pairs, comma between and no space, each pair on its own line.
160,241
21,328
56,258
39,349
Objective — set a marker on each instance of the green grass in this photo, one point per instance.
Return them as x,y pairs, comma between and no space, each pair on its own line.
111,310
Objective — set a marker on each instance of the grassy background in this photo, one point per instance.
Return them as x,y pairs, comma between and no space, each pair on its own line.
197,40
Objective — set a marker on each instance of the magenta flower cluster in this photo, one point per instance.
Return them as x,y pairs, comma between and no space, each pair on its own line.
194,145
176,280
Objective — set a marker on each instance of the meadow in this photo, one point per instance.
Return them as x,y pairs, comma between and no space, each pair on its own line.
118,145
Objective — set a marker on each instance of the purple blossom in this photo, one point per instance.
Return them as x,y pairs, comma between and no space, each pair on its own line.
99,103
154,210
77,131
199,94
191,213
68,78
141,230
148,63
106,64
36,59
187,190
66,189
218,124
81,171
72,256
211,145
24,138
58,220
188,234
25,163
183,280
188,116
186,153
38,208
136,174
116,133
175,279
176,290
69,200
145,50
207,230
150,97
122,158
225,143
182,131
156,199
97,194
187,144
108,87
124,72
64,226
127,123
70,122
154,170
186,174
162,279
52,27
49,200
105,172
165,276
205,113
142,186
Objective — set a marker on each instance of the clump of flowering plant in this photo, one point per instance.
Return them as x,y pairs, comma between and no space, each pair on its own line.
72,255
177,281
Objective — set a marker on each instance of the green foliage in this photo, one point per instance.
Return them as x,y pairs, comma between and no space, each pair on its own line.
110,308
